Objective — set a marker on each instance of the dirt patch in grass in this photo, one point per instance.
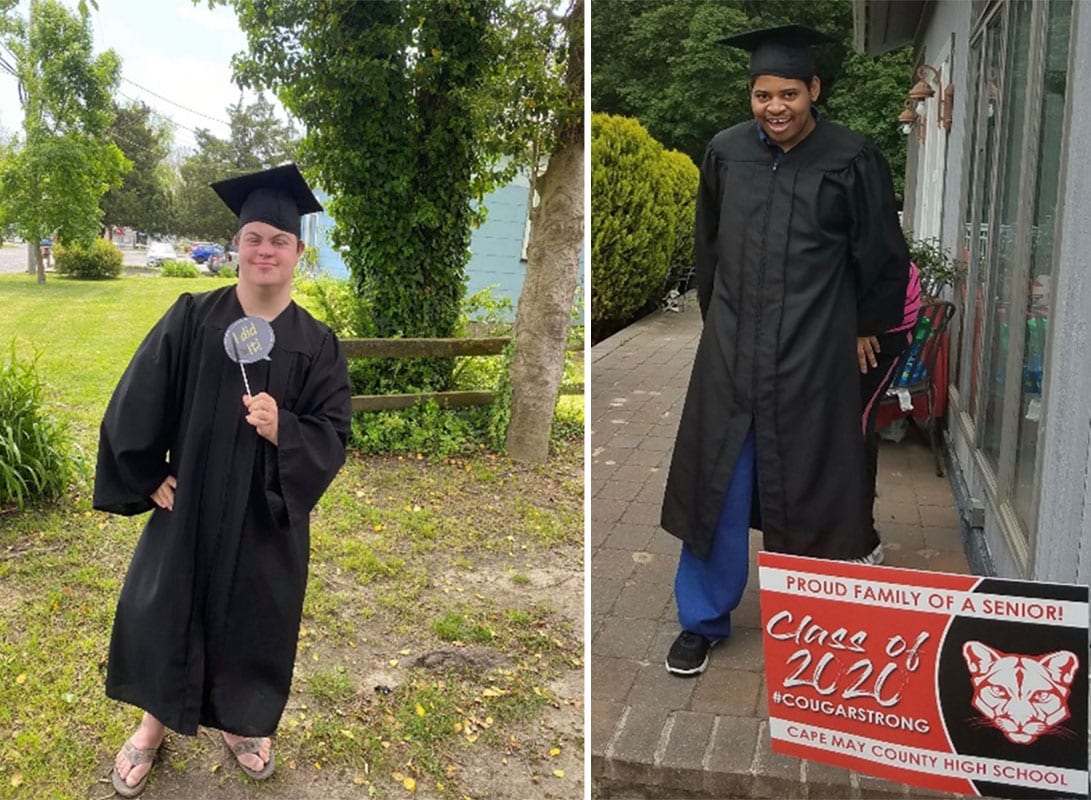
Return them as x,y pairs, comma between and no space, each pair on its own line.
440,654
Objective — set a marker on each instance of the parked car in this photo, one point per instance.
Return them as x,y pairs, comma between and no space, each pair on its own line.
158,252
217,262
202,251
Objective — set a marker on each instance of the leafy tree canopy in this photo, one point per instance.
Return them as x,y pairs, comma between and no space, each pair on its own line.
410,109
64,161
660,61
143,201
258,140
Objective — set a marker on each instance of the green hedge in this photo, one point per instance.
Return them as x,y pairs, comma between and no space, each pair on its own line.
98,261
179,269
642,206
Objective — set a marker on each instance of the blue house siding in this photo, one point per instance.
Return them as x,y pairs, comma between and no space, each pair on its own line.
495,248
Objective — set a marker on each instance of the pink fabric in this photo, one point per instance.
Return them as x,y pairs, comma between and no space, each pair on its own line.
912,300
909,320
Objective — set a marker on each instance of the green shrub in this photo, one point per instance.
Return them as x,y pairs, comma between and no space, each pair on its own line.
334,302
423,428
100,260
179,269
567,419
484,313
37,457
632,239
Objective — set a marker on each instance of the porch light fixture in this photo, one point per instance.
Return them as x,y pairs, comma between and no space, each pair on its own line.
908,118
922,90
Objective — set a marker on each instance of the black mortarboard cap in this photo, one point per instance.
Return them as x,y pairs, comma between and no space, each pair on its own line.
783,51
277,196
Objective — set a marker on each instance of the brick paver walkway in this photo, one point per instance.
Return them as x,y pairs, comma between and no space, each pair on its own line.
653,734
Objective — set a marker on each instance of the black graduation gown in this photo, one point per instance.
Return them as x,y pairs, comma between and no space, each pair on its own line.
794,260
208,619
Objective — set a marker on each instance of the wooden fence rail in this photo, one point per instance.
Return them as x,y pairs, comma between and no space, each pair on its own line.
430,348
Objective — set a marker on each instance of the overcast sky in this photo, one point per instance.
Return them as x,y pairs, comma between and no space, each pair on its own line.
174,54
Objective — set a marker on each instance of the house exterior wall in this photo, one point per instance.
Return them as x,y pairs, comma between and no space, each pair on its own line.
951,27
496,248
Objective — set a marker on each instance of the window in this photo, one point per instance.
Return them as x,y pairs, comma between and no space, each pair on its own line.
1002,322
1046,190
1017,83
971,212
984,137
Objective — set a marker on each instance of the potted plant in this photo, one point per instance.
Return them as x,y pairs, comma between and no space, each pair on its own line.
936,266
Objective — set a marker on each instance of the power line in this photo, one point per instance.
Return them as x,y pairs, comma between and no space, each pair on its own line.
221,174
171,102
158,113
100,30
8,67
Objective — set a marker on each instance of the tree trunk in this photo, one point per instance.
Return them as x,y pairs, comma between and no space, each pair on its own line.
35,263
553,259
545,304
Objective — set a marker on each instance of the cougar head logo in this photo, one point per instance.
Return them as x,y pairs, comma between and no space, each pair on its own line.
1023,696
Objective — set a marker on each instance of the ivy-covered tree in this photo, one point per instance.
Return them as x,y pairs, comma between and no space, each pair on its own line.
65,161
143,201
389,96
414,111
661,62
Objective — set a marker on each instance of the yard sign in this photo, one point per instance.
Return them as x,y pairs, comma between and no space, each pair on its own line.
952,682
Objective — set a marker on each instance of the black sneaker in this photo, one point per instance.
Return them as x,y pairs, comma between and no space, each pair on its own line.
689,654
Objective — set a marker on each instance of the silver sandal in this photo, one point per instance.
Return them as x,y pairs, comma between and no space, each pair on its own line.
135,756
249,746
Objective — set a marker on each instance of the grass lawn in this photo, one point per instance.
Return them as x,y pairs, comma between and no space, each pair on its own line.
441,650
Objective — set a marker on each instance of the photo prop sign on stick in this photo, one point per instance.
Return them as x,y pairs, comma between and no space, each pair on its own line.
951,682
247,340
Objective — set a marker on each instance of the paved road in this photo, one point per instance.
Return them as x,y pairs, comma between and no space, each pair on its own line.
13,258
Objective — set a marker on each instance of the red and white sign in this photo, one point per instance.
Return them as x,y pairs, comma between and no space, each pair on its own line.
953,682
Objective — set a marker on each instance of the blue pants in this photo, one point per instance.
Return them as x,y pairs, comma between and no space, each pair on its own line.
708,591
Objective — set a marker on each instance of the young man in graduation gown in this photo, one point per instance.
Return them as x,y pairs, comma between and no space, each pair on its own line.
207,623
798,253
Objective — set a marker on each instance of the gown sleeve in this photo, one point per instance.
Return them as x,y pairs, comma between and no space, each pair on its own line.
311,440
706,229
879,252
139,424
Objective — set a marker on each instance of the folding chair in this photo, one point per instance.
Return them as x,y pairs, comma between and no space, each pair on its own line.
913,372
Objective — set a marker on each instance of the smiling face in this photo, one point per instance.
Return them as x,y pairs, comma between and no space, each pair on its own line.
782,106
267,255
